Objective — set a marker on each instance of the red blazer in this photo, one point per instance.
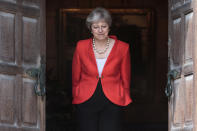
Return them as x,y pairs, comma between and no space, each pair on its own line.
115,77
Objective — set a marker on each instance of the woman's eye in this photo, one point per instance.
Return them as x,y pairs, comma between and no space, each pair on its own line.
95,27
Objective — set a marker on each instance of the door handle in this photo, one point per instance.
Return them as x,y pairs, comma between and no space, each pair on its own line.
39,75
172,74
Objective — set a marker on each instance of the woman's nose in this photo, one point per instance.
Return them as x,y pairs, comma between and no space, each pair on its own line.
100,29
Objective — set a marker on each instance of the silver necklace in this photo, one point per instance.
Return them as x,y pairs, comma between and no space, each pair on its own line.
100,51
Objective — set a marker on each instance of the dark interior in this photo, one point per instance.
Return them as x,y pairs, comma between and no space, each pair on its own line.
149,57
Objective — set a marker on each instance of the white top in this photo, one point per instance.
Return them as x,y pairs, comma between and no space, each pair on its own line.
100,64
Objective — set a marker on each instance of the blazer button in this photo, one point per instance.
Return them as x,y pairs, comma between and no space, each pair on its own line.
102,77
97,77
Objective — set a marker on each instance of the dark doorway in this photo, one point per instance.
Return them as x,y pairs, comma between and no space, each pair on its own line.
148,112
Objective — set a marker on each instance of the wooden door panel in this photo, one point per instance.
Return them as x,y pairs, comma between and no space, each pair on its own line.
189,98
181,32
8,110
178,103
176,51
189,38
7,42
189,42
31,42
29,104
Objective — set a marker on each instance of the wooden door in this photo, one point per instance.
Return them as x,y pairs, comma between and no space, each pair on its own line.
182,60
22,43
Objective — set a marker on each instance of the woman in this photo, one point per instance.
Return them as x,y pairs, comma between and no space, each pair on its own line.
100,76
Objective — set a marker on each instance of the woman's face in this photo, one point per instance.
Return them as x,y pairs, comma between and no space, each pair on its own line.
100,29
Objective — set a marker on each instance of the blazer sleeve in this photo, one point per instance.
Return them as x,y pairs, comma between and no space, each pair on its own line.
125,71
76,68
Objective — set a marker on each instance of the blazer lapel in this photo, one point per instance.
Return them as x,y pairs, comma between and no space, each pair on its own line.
110,56
92,55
